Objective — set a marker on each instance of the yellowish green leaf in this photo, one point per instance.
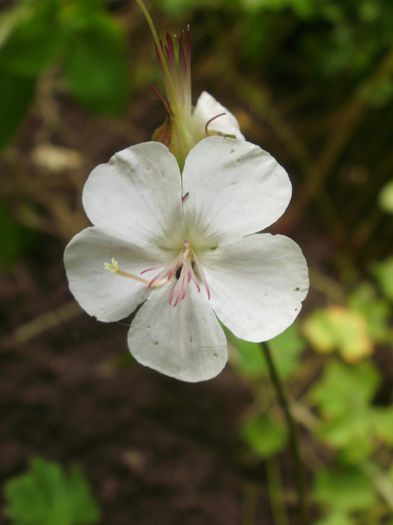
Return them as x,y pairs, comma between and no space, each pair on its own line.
338,328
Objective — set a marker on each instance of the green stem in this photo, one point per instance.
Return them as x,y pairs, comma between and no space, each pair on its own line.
293,439
157,42
276,492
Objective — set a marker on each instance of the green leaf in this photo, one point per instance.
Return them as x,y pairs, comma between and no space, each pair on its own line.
383,272
286,349
339,328
386,197
247,358
16,95
383,421
344,389
96,66
376,311
35,42
343,397
351,435
14,241
264,435
337,518
344,489
47,496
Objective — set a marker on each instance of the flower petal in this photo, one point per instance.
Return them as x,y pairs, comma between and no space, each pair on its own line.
138,193
207,108
234,188
184,341
104,294
257,285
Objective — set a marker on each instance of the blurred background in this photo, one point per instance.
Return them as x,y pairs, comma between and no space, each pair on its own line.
87,435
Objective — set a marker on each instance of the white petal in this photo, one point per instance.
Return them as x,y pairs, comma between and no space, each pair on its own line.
257,285
207,108
184,341
137,193
106,295
234,188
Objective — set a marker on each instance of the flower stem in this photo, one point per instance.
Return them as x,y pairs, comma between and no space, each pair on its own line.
293,439
276,492
159,49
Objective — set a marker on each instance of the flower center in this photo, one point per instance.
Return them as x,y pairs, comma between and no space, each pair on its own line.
185,267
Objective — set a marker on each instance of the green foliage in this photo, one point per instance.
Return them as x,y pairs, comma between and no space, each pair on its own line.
95,66
47,496
17,93
386,197
79,34
344,489
344,388
286,348
350,423
34,44
14,240
336,518
383,272
339,328
376,311
264,435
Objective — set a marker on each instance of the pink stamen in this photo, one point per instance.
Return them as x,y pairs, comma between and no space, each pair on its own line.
151,268
184,263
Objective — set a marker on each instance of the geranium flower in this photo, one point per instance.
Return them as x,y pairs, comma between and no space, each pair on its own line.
185,247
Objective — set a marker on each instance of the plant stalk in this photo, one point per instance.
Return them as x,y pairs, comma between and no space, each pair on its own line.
292,434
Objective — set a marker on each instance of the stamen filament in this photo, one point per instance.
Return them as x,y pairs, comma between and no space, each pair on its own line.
114,267
183,267
210,121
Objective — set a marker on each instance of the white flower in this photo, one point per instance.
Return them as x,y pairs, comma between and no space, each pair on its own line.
185,246
210,116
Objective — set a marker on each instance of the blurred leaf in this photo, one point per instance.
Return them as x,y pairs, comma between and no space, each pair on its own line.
376,311
339,328
383,272
303,8
77,15
344,489
14,239
248,356
352,435
383,421
96,66
35,42
337,518
344,389
47,496
286,347
16,94
343,397
386,197
264,435
382,93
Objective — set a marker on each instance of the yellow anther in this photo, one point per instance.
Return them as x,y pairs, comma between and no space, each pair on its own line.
113,266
